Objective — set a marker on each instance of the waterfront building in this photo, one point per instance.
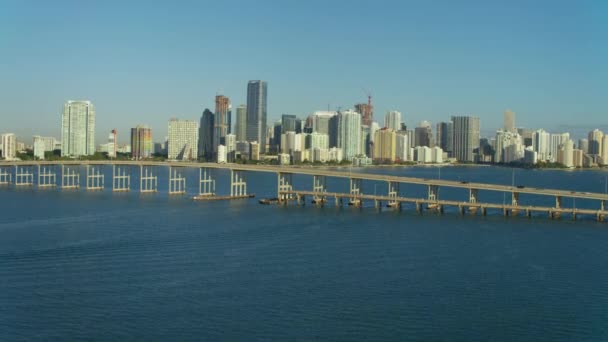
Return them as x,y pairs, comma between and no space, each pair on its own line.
604,154
9,146
221,154
241,123
402,147
508,147
39,147
385,145
392,120
366,111
595,142
509,121
288,123
78,129
541,144
257,94
183,139
530,156
349,134
284,159
205,135
335,154
141,142
317,140
466,138
566,153
254,150
242,149
583,145
445,136
526,136
577,157
230,147
423,135
320,154
222,121
557,140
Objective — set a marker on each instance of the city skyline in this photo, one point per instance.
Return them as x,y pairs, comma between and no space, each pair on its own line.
429,62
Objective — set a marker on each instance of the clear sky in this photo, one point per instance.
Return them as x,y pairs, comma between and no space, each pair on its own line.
145,62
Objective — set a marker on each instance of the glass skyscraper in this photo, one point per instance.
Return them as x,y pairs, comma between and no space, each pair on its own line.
257,94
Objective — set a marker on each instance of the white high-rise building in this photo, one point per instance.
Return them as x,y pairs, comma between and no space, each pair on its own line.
39,147
403,147
78,129
566,153
509,121
509,147
183,139
466,137
319,140
221,154
392,120
349,134
541,144
9,146
557,140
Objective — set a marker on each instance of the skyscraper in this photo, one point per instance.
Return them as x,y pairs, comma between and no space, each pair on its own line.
183,139
366,110
541,144
9,146
509,121
257,94
288,123
222,121
466,137
205,135
141,142
385,145
445,137
78,129
349,134
392,120
595,141
241,123
423,134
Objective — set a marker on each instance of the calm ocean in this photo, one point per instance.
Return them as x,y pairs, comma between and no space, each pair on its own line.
127,266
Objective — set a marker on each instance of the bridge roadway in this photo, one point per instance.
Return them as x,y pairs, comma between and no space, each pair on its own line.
315,171
462,205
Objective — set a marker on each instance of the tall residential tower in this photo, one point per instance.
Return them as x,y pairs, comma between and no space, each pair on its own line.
78,129
257,94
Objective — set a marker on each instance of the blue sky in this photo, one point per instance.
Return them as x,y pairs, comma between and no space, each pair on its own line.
145,62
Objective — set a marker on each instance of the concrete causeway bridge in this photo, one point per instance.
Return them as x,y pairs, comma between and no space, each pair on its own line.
44,174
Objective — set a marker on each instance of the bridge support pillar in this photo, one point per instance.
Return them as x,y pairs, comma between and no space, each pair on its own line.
473,195
515,198
558,202
462,209
284,185
70,177
393,193
433,193
602,204
5,176
177,181
319,188
24,175
148,181
484,211
121,180
355,191
94,178
206,183
418,207
46,177
238,183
